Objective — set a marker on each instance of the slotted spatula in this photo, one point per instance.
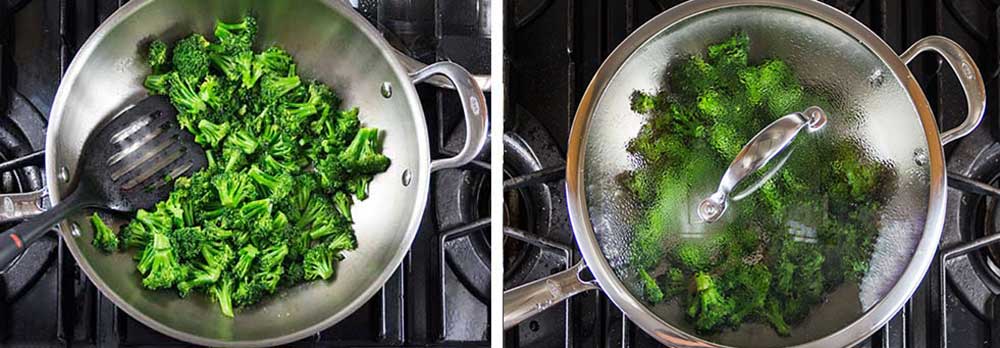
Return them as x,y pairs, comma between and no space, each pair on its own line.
123,167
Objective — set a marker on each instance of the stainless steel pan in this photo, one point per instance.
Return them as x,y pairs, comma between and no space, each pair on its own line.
875,101
331,43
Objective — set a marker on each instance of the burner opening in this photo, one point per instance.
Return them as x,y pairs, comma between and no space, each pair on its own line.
516,214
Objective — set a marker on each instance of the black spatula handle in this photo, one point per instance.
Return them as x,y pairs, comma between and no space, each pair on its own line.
16,239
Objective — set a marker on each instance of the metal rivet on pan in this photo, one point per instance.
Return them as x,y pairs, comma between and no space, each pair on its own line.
74,229
919,157
63,174
386,89
407,177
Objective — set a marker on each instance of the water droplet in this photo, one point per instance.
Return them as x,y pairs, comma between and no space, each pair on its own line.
74,229
407,177
386,89
63,174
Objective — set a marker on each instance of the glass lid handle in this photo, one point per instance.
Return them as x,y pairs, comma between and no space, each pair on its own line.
762,148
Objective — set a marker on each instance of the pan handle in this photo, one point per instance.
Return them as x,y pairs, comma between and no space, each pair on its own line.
532,298
410,64
968,76
762,148
20,206
473,105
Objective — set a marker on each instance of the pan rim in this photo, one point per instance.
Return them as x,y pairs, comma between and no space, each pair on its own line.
420,201
868,322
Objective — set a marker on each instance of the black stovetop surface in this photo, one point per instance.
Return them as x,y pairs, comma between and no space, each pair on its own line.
553,48
436,296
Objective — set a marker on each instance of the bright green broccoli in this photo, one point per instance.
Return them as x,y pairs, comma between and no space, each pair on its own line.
159,264
272,208
157,55
190,58
104,238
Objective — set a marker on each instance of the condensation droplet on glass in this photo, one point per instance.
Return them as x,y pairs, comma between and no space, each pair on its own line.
919,157
74,229
876,78
386,89
63,174
407,177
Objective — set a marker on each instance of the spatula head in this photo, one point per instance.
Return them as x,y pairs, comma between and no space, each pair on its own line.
128,159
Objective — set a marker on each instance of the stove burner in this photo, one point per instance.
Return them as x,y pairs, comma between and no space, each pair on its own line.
533,206
976,275
462,201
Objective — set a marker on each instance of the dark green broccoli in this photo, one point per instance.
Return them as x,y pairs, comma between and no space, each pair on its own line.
765,264
708,308
104,238
652,289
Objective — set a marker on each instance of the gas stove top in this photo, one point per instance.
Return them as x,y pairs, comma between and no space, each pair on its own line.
554,47
438,296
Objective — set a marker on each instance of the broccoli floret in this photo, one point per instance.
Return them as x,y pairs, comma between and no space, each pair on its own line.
104,238
277,185
217,254
343,202
318,264
708,307
272,257
188,242
157,84
275,60
184,98
223,292
273,87
247,255
653,294
236,37
243,140
363,155
210,134
201,276
139,232
247,293
233,188
159,264
239,67
190,58
157,56
342,242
